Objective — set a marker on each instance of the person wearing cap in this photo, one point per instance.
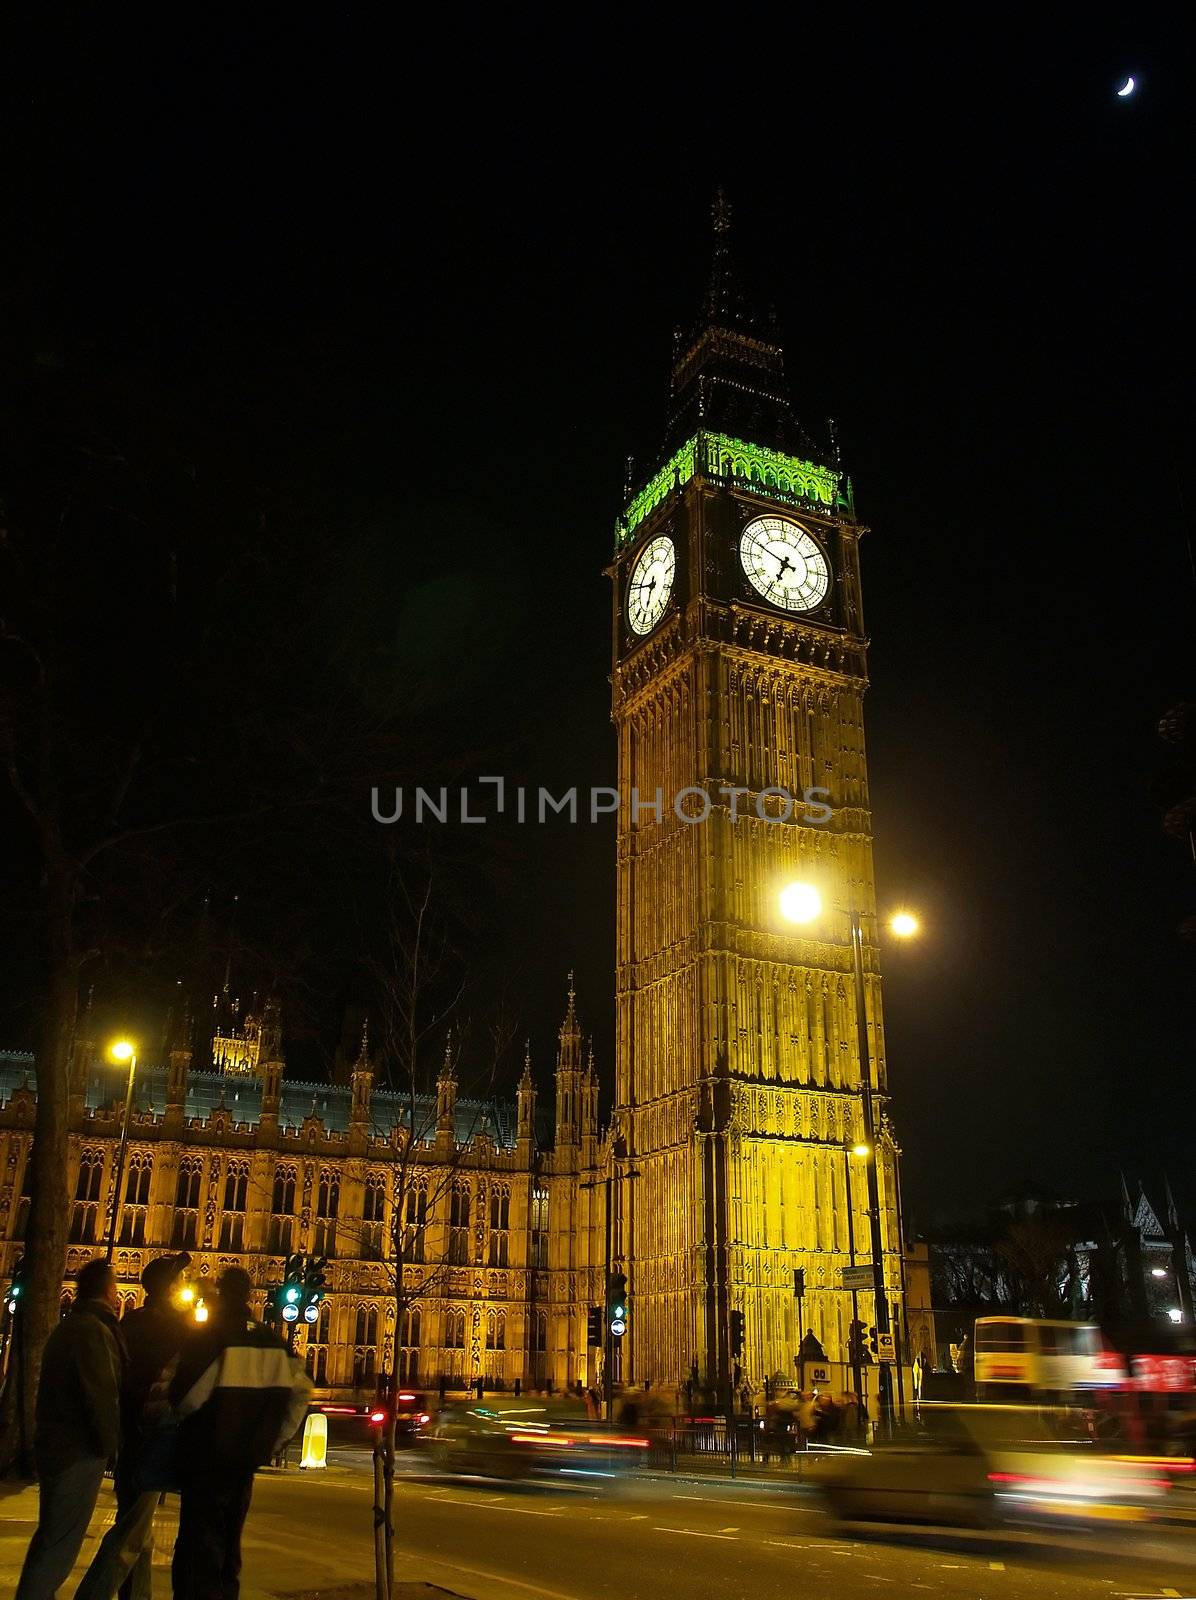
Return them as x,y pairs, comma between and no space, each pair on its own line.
153,1337
242,1396
78,1428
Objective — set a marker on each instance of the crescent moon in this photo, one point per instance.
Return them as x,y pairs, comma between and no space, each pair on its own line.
1126,89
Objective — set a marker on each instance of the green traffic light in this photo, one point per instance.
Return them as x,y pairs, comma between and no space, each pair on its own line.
292,1295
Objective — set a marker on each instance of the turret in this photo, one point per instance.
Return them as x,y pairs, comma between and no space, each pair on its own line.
568,1075
361,1082
270,1058
526,1102
589,1098
83,1049
446,1094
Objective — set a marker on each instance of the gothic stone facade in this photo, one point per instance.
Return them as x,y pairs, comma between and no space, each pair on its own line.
241,1167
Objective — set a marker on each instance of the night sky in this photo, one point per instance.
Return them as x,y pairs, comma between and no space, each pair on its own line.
424,290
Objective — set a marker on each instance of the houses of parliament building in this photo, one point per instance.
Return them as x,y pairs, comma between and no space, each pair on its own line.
748,1049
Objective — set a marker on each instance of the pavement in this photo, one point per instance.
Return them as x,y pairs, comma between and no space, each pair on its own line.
309,1534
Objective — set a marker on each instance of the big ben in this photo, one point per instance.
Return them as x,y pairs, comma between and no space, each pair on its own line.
739,671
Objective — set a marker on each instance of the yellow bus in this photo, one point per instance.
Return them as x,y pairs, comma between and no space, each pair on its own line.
1022,1358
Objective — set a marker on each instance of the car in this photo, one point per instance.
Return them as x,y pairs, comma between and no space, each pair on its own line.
984,1465
488,1438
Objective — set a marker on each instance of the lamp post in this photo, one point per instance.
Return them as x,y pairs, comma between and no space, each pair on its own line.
850,1150
608,1338
801,902
122,1050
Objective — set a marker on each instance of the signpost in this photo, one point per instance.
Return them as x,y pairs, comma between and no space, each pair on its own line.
886,1349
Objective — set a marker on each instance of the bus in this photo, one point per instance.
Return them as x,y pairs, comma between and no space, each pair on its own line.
1033,1358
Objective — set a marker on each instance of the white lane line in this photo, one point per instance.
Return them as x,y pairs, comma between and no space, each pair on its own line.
693,1533
996,1566
728,1530
766,1501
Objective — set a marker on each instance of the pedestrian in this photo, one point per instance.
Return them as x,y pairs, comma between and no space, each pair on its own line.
77,1429
241,1396
153,1337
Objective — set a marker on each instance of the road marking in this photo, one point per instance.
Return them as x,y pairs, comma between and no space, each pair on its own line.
750,1505
996,1566
728,1530
695,1534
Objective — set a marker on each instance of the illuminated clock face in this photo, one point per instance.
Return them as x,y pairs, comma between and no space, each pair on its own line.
651,584
784,564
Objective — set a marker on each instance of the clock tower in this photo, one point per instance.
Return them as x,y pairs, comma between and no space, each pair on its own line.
739,669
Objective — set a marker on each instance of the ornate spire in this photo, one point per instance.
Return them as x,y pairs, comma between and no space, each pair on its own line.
363,1055
726,305
449,1068
570,1028
525,1081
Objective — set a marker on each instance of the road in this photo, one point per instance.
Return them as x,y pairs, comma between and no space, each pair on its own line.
666,1540
657,1539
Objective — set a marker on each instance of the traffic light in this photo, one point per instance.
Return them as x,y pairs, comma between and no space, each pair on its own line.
314,1277
288,1297
736,1335
857,1354
594,1327
873,1344
16,1288
616,1304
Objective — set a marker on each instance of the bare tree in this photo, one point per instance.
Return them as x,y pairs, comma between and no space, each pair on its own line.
1035,1250
427,1048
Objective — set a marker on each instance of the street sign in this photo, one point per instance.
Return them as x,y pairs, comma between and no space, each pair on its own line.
820,1374
857,1277
886,1350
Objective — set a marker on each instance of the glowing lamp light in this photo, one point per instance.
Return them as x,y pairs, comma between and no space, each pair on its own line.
186,1295
1175,1314
1158,1272
904,924
861,1150
377,1416
201,1312
292,1294
122,1050
800,902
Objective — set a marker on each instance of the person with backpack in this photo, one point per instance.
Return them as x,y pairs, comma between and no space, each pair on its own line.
241,1395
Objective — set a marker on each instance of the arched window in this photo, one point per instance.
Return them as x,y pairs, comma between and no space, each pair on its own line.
20,1225
415,1215
282,1211
373,1216
500,1221
328,1198
232,1223
459,1225
186,1203
365,1328
137,1191
87,1196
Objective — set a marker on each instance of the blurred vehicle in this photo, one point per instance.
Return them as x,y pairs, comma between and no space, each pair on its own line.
1033,1358
526,1440
981,1466
352,1426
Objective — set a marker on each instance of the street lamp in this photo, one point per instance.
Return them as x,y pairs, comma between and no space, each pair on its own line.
802,903
121,1050
861,1152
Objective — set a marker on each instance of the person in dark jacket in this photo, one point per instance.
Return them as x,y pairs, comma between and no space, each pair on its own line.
78,1428
153,1337
241,1395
